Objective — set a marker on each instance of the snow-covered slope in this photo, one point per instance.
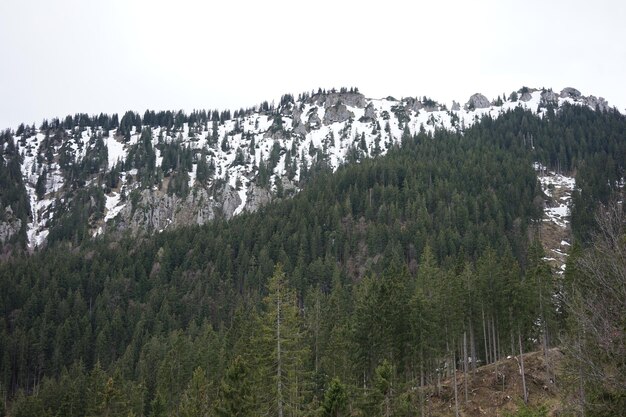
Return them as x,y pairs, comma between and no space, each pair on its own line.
555,230
254,156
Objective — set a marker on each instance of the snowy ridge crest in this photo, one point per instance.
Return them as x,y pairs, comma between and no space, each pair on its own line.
231,165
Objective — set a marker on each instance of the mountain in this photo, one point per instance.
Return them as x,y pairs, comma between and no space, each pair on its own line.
372,288
88,175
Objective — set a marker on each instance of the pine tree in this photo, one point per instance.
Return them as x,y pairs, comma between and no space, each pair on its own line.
381,319
336,360
203,173
195,401
235,394
335,403
382,395
225,143
158,406
283,353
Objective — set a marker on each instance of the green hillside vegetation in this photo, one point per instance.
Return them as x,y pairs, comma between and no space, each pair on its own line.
369,283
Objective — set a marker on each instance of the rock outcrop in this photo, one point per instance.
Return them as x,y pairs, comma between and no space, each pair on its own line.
331,99
570,92
525,93
549,97
597,103
230,201
591,101
413,104
369,114
455,106
477,101
337,114
279,134
313,121
299,127
257,198
155,210
526,96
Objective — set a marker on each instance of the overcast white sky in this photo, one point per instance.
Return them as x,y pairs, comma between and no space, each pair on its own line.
60,57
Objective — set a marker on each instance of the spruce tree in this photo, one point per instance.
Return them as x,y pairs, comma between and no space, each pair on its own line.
195,401
335,403
282,353
235,394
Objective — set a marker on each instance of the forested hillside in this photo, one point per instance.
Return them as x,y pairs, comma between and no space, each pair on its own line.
87,175
374,280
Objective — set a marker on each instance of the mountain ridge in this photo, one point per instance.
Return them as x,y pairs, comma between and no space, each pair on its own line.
147,175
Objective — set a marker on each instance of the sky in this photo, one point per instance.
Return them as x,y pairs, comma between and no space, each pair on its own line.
62,57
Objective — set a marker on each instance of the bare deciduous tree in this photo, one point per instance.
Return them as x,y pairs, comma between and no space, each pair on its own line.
596,302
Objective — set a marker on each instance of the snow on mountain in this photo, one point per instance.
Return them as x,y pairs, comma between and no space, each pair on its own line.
555,229
330,128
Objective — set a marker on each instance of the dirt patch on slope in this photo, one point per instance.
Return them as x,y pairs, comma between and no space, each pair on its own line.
493,396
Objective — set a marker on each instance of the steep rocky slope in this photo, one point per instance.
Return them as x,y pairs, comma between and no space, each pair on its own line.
151,173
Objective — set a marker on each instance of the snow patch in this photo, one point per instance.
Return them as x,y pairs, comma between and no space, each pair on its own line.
551,182
113,206
243,195
116,151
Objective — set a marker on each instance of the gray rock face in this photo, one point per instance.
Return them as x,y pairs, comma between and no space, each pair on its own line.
314,121
477,101
276,135
331,99
599,103
257,197
298,126
455,106
153,211
156,210
369,115
413,104
570,92
300,129
526,96
337,114
549,97
231,201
